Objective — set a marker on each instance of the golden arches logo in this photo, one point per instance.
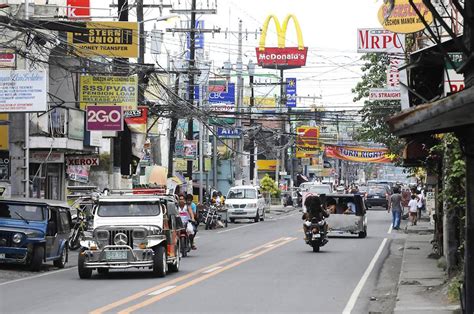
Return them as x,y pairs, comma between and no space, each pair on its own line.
281,31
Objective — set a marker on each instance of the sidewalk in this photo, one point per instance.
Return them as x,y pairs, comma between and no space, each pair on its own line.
280,209
420,287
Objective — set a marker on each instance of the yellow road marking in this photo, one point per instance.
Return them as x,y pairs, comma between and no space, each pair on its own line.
140,294
199,279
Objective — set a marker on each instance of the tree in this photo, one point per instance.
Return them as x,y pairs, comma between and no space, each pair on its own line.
269,186
374,113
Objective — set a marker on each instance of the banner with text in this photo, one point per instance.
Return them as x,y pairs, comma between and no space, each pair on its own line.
23,91
108,90
358,154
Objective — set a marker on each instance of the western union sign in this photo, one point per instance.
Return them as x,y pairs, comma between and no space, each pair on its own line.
108,39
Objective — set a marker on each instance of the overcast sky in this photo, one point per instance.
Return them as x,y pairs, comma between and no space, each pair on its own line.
329,31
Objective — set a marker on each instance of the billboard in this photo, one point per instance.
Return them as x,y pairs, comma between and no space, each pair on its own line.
281,57
108,90
107,39
291,92
23,91
401,17
358,154
307,141
379,40
104,118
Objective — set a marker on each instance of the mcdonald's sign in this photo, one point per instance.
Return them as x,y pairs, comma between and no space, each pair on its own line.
281,57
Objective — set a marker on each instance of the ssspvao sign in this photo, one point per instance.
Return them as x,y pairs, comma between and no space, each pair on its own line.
104,118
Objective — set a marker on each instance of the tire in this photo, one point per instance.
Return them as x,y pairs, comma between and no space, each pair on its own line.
263,215
37,258
174,267
62,260
74,240
159,262
363,234
103,271
257,217
315,248
183,246
84,273
232,220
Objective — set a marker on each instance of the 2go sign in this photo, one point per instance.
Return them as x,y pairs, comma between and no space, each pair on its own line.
104,118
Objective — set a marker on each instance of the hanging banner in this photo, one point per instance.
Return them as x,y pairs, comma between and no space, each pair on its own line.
402,17
281,57
291,92
106,39
307,141
78,173
379,40
23,91
393,74
137,119
108,90
190,149
358,154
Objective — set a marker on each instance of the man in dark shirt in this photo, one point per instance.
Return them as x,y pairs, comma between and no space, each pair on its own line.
395,205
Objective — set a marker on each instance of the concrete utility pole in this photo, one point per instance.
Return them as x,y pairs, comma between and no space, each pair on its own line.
240,89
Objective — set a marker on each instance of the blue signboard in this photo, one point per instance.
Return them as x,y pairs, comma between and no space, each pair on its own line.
198,37
228,132
291,92
224,97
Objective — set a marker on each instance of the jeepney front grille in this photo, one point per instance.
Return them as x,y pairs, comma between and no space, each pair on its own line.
128,232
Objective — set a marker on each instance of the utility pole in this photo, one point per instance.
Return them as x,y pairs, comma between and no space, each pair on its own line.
251,70
240,87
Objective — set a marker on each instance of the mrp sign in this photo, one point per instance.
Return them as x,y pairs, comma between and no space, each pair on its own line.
82,161
228,132
379,40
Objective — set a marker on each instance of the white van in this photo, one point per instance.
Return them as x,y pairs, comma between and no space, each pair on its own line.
245,202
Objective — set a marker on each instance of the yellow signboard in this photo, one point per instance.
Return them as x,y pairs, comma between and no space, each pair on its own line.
106,90
402,18
266,165
4,132
107,39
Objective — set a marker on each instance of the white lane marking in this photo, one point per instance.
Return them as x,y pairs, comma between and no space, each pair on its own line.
246,256
269,246
390,229
244,226
162,290
355,294
37,276
211,270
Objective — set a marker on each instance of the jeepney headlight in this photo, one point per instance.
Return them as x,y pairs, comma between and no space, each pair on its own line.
139,234
17,237
102,235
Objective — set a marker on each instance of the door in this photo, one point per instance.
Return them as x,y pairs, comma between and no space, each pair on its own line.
52,243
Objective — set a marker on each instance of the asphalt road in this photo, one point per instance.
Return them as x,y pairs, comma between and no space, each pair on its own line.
247,267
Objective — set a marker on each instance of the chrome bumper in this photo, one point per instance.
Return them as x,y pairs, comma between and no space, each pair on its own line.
135,257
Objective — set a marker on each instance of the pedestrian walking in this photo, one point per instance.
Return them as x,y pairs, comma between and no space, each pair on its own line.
395,205
413,208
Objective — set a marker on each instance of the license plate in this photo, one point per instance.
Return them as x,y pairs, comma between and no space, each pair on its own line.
2,255
376,196
114,255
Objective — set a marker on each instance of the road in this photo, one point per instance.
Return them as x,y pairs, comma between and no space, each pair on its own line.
248,267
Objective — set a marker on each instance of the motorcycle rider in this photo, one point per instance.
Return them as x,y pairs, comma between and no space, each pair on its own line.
186,214
313,210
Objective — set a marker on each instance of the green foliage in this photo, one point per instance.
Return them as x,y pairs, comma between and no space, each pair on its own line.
269,185
453,289
454,175
374,113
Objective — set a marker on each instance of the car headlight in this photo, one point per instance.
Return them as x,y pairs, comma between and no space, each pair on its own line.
17,237
139,234
102,235
251,205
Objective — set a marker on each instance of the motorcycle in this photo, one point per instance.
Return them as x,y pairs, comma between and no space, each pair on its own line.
184,241
316,234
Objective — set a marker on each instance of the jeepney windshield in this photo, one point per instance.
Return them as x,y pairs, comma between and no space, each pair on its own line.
128,209
24,212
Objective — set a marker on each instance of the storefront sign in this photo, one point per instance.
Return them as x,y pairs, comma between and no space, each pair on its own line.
109,90
4,131
78,9
384,94
104,118
266,165
39,157
402,18
379,40
229,132
23,91
291,92
281,57
358,154
107,39
393,74
453,81
137,119
7,59
4,165
75,124
82,161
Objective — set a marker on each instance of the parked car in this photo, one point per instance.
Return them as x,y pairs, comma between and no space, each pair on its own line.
245,201
34,231
377,195
132,231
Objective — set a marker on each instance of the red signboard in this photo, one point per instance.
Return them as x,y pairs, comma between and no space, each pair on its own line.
282,58
77,9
